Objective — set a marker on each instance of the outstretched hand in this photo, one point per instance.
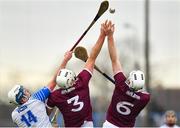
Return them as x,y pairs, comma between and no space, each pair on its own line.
108,28
103,28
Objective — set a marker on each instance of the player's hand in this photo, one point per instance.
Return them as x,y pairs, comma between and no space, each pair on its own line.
109,28
103,28
68,55
55,125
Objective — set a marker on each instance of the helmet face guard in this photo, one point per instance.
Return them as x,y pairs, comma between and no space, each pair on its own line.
136,80
20,95
65,78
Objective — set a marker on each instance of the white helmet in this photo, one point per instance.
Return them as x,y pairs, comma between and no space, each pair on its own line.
15,94
65,78
136,80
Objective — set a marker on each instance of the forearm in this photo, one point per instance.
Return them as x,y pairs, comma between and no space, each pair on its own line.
112,49
97,47
63,64
94,53
52,83
116,65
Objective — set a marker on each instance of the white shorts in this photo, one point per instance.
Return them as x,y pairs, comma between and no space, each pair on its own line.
107,124
87,124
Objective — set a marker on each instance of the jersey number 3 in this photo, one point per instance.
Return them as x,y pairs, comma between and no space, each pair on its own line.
123,107
75,102
28,118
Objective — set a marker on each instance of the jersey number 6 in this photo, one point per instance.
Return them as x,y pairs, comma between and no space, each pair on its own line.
122,107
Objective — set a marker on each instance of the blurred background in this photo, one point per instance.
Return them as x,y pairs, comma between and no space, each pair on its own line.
35,34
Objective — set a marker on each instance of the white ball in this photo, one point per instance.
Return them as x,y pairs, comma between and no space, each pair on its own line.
112,10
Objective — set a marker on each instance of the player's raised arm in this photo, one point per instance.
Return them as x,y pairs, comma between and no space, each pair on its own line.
67,57
52,83
96,49
116,65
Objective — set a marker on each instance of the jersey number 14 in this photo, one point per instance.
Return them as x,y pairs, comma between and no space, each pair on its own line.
28,118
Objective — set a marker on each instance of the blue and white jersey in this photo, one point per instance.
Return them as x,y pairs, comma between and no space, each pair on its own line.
33,112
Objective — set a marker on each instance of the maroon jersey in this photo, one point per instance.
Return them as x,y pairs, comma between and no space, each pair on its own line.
74,103
125,104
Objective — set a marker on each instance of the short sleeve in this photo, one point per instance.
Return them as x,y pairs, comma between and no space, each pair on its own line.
120,81
85,75
145,97
42,94
50,102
